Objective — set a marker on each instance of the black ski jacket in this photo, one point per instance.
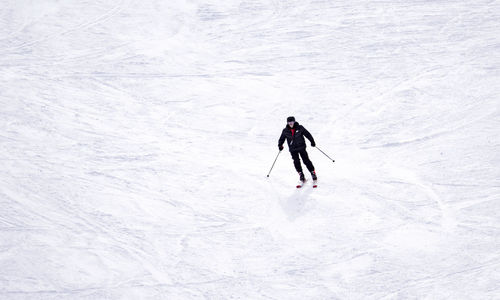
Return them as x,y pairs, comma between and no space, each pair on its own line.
297,141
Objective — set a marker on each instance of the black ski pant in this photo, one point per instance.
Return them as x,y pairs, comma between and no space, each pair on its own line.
305,158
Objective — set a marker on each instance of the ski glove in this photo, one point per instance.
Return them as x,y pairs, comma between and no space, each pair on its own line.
313,144
280,147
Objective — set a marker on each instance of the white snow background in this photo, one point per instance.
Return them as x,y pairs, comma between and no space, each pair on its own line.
136,137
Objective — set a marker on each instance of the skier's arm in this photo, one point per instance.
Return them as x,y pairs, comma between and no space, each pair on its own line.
308,135
281,141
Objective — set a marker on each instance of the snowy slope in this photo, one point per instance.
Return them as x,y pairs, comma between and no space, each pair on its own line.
136,136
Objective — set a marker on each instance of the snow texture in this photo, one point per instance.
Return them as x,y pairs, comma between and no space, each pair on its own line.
136,136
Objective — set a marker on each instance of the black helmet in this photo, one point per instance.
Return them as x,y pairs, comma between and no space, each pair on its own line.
290,119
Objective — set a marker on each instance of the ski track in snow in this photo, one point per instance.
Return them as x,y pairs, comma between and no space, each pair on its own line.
136,137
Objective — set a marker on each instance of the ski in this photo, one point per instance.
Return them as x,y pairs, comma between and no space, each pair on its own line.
300,184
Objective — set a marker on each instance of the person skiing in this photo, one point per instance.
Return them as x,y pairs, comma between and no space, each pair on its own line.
294,134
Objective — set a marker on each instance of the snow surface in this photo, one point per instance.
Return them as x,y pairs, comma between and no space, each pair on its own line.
136,137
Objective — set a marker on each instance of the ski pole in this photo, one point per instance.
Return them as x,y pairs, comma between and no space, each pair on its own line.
274,163
325,154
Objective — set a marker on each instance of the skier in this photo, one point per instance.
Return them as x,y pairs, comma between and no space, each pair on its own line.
294,134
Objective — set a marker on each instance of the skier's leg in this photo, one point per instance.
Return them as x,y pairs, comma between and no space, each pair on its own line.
307,161
296,161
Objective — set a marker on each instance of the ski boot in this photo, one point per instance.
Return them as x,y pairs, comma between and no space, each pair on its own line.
315,179
302,180
302,177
